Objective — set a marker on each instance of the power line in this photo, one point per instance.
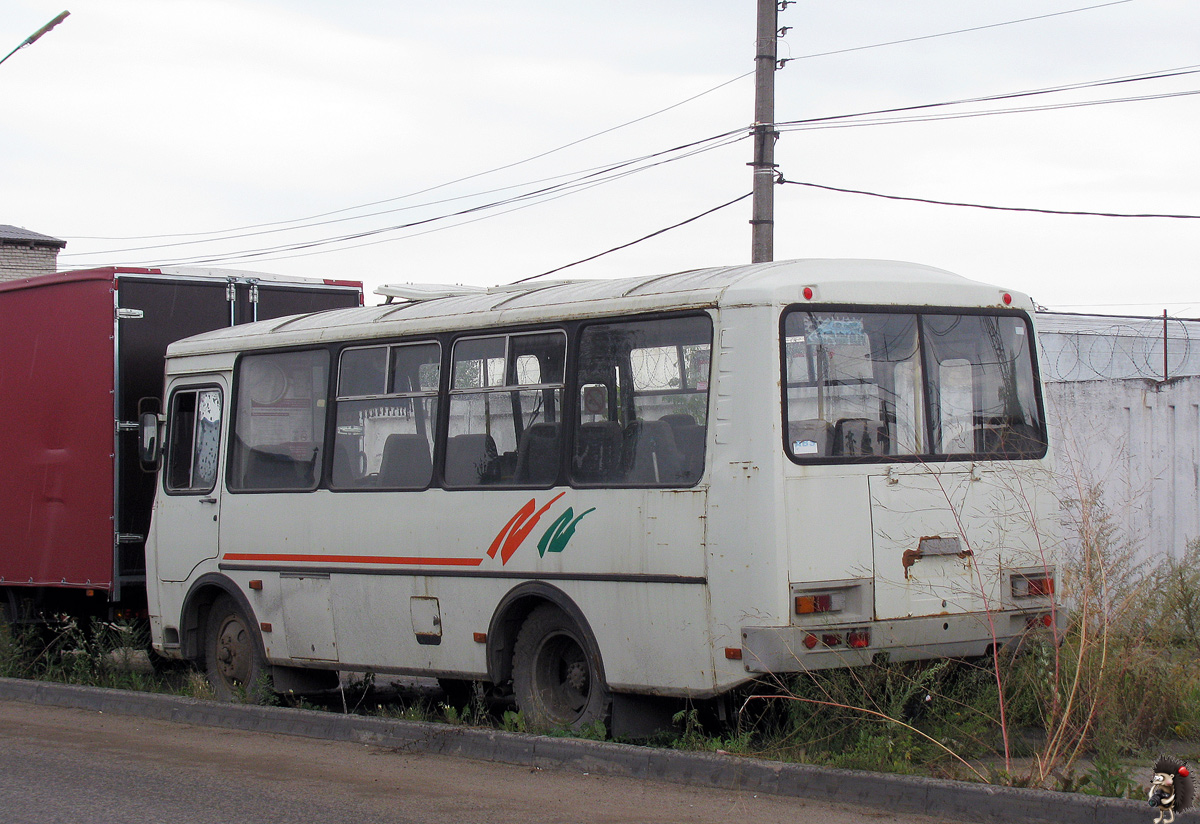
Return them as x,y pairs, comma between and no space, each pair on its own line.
568,145
590,178
868,118
426,190
613,170
930,118
816,122
958,31
586,181
983,206
835,121
639,240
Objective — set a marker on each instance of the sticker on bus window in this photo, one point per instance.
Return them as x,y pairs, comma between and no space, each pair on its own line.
804,447
595,399
838,332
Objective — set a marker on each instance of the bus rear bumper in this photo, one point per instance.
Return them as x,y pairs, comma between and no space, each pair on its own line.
798,649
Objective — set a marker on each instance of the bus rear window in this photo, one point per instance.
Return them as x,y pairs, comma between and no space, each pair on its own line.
877,385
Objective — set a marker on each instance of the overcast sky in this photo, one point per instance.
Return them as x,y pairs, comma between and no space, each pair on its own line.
296,136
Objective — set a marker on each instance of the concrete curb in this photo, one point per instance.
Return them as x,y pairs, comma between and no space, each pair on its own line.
959,800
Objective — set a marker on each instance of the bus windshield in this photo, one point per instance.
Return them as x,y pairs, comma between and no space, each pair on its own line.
874,385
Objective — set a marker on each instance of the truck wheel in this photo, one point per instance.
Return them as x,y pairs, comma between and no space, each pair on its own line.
233,658
557,678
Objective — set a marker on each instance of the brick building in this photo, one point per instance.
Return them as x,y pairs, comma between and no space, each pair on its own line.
24,254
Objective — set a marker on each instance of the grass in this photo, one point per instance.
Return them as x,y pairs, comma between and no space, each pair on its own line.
90,652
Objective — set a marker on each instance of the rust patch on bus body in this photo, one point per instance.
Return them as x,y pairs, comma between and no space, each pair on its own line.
933,545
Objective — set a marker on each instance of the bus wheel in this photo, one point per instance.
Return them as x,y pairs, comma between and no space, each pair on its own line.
233,659
557,680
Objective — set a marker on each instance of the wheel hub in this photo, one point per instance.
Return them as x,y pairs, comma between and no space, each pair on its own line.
229,653
577,676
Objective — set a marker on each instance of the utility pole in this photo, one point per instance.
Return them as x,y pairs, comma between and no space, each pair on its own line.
762,221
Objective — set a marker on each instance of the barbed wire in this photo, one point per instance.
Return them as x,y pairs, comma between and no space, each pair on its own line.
1087,348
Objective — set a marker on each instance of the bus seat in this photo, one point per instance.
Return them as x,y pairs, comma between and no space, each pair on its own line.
1009,437
859,436
405,461
689,439
537,454
651,453
598,452
345,466
469,459
679,419
813,436
268,469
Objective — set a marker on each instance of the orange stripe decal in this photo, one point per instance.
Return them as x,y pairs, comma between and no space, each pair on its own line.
351,559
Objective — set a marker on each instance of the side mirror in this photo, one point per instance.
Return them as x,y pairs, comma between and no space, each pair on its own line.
149,441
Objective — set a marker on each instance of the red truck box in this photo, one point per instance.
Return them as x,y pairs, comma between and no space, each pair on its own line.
81,355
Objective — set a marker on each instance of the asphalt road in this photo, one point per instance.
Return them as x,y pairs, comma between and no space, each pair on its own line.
79,766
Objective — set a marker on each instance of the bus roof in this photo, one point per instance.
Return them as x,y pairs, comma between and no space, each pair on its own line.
874,282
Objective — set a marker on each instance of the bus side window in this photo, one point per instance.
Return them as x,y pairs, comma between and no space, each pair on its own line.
643,402
506,394
387,402
279,422
194,441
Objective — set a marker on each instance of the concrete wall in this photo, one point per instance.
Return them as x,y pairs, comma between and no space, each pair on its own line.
1116,422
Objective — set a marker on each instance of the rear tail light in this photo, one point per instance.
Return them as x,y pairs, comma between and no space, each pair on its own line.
854,639
1040,621
820,602
1030,586
858,639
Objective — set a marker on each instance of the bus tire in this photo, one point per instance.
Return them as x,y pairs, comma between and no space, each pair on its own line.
557,677
233,658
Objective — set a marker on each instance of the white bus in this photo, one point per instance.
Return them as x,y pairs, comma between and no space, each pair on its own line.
590,491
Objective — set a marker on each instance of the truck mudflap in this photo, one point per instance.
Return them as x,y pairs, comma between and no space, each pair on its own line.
798,649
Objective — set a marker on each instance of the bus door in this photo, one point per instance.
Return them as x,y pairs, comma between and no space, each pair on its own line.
188,507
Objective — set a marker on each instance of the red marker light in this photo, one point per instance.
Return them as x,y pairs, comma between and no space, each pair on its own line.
808,293
810,640
1007,298
858,639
